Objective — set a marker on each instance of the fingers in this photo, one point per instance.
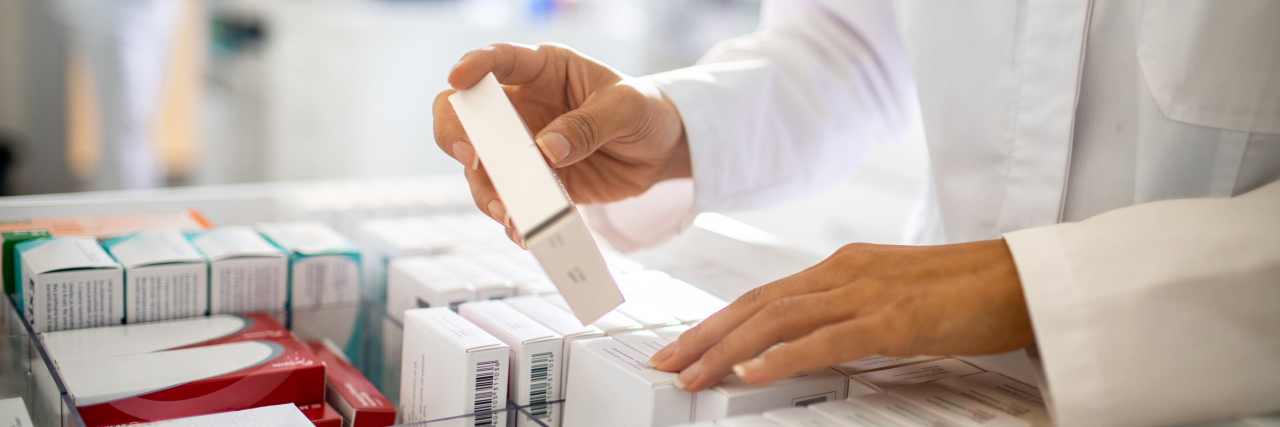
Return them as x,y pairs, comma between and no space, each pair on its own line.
781,321
614,112
850,340
511,63
450,136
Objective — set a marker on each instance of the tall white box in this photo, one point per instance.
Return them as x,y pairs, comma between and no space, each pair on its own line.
901,411
645,342
850,414
420,282
536,357
959,408
70,283
488,285
165,276
612,385
451,367
528,281
672,333
540,210
674,297
902,376
1007,385
558,320
1006,397
733,396
246,272
611,323
324,266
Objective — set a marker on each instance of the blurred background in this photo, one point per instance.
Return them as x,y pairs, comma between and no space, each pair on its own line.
136,94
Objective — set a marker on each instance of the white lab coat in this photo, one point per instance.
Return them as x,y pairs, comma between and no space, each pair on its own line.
1084,114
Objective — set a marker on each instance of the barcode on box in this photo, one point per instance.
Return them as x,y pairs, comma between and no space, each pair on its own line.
540,384
486,394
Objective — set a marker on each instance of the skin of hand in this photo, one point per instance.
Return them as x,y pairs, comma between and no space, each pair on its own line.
607,135
864,300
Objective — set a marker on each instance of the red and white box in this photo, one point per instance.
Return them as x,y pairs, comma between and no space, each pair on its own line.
321,414
349,392
138,338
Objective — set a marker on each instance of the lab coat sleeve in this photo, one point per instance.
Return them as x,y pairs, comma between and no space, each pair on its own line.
779,113
1160,313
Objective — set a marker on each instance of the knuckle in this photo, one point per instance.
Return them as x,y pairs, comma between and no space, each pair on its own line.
779,309
582,126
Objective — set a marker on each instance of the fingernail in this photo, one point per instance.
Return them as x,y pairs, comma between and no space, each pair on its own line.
689,375
498,212
554,146
748,368
465,154
663,354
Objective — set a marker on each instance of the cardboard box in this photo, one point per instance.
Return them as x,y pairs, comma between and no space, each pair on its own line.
324,266
649,316
78,344
900,411
13,413
99,226
672,333
889,379
540,210
70,283
958,408
349,392
528,281
473,231
320,414
116,390
645,342
750,420
421,282
385,239
800,417
674,297
488,285
536,357
876,363
165,277
733,396
1012,401
611,384
451,367
611,323
246,272
286,415
850,414
558,320
1007,385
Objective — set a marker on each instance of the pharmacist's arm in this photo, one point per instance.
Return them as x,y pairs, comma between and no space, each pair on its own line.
1161,313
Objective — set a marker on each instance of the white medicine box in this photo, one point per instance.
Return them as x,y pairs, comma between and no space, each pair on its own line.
421,282
451,367
70,283
733,396
165,276
246,272
610,384
536,359
324,266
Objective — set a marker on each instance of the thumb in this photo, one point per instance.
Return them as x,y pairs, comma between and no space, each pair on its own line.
607,114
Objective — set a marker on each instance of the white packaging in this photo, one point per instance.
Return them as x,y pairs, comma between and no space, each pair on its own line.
165,276
800,417
647,315
13,413
611,323
558,320
488,285
324,266
889,379
428,234
64,346
611,385
70,283
751,420
852,415
451,367
1005,399
674,297
733,396
876,363
958,408
286,415
901,411
645,342
420,282
246,272
1007,385
672,333
527,281
536,360
540,210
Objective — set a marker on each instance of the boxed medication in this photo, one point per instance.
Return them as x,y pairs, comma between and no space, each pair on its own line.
901,411
324,266
536,360
800,417
751,420
246,272
1012,401
558,320
266,416
876,363
672,333
528,281
451,367
151,337
421,282
645,342
611,323
163,385
13,413
674,297
540,211
611,384
488,285
852,415
963,410
70,283
320,414
165,276
902,376
349,392
733,396
9,270
1007,385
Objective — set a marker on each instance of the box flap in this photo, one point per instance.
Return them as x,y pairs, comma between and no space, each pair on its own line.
510,321
155,246
230,242
628,360
307,238
461,332
64,253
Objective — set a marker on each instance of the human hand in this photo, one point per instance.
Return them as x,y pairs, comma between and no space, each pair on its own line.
865,299
607,135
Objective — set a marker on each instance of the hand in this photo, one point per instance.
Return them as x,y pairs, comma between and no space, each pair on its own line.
863,300
607,135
